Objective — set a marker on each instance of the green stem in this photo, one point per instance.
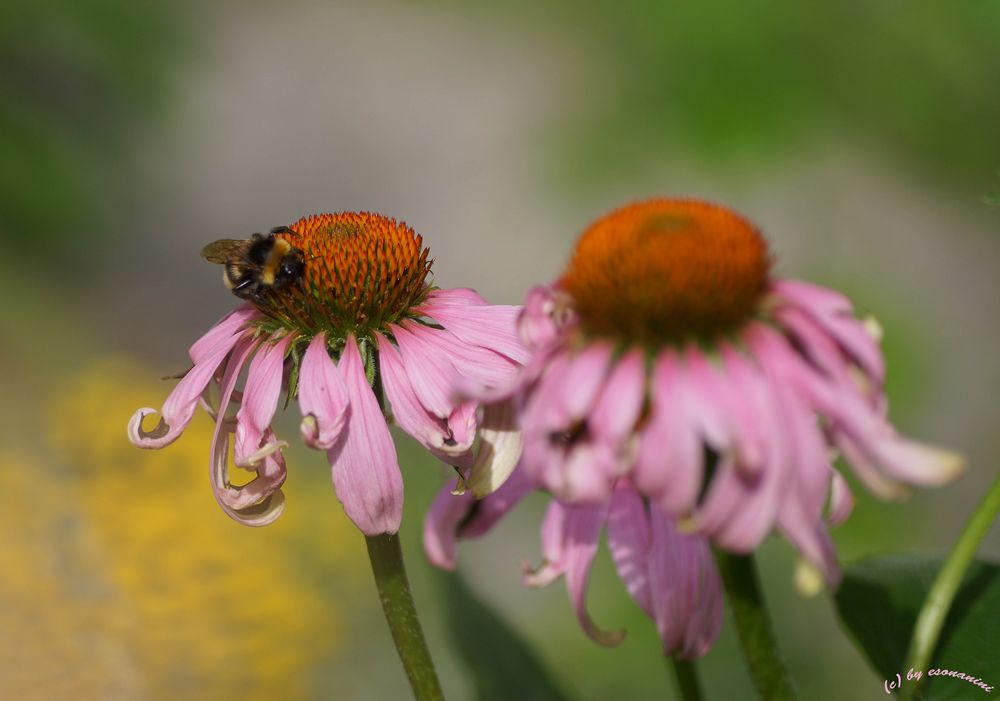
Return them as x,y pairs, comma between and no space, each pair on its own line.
401,615
746,601
686,676
942,593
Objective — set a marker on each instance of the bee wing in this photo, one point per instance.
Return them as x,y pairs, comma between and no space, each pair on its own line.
224,250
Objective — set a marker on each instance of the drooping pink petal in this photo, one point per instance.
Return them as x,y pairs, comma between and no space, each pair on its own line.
491,508
499,450
432,376
180,404
584,378
411,416
834,313
866,431
260,400
629,540
488,326
820,300
232,324
462,515
570,535
685,589
669,462
455,296
322,396
441,524
363,462
483,368
620,402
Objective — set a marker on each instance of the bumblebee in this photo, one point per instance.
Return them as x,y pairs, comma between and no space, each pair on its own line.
258,264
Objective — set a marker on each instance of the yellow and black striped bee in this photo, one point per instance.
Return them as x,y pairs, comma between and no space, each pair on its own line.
257,264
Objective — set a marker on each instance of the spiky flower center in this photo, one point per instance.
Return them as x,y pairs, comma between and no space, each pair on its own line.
667,270
361,272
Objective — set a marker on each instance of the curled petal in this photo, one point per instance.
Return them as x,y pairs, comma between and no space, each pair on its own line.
499,449
569,540
260,400
264,502
363,463
180,405
322,396
258,503
546,312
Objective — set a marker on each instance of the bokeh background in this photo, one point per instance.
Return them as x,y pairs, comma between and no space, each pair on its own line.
863,137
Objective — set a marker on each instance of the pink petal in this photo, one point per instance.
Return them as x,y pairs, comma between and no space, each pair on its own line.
584,378
482,367
322,396
668,466
455,296
544,316
686,593
432,376
411,416
491,508
629,539
180,404
834,313
570,536
461,515
617,409
819,300
441,525
260,400
232,324
364,465
490,326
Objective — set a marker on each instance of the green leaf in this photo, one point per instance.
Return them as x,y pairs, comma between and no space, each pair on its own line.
501,665
880,598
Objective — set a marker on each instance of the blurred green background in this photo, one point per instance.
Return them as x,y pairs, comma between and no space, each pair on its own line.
861,136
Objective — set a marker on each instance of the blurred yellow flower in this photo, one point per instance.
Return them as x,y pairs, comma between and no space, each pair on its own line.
124,579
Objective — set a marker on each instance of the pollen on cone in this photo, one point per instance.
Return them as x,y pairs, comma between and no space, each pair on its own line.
665,270
362,270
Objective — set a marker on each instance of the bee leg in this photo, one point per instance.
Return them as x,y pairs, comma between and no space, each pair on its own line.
283,230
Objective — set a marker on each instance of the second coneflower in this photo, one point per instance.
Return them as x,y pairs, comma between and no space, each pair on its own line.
360,325
673,382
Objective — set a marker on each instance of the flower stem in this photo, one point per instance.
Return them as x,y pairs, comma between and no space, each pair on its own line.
686,676
746,601
397,604
932,615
